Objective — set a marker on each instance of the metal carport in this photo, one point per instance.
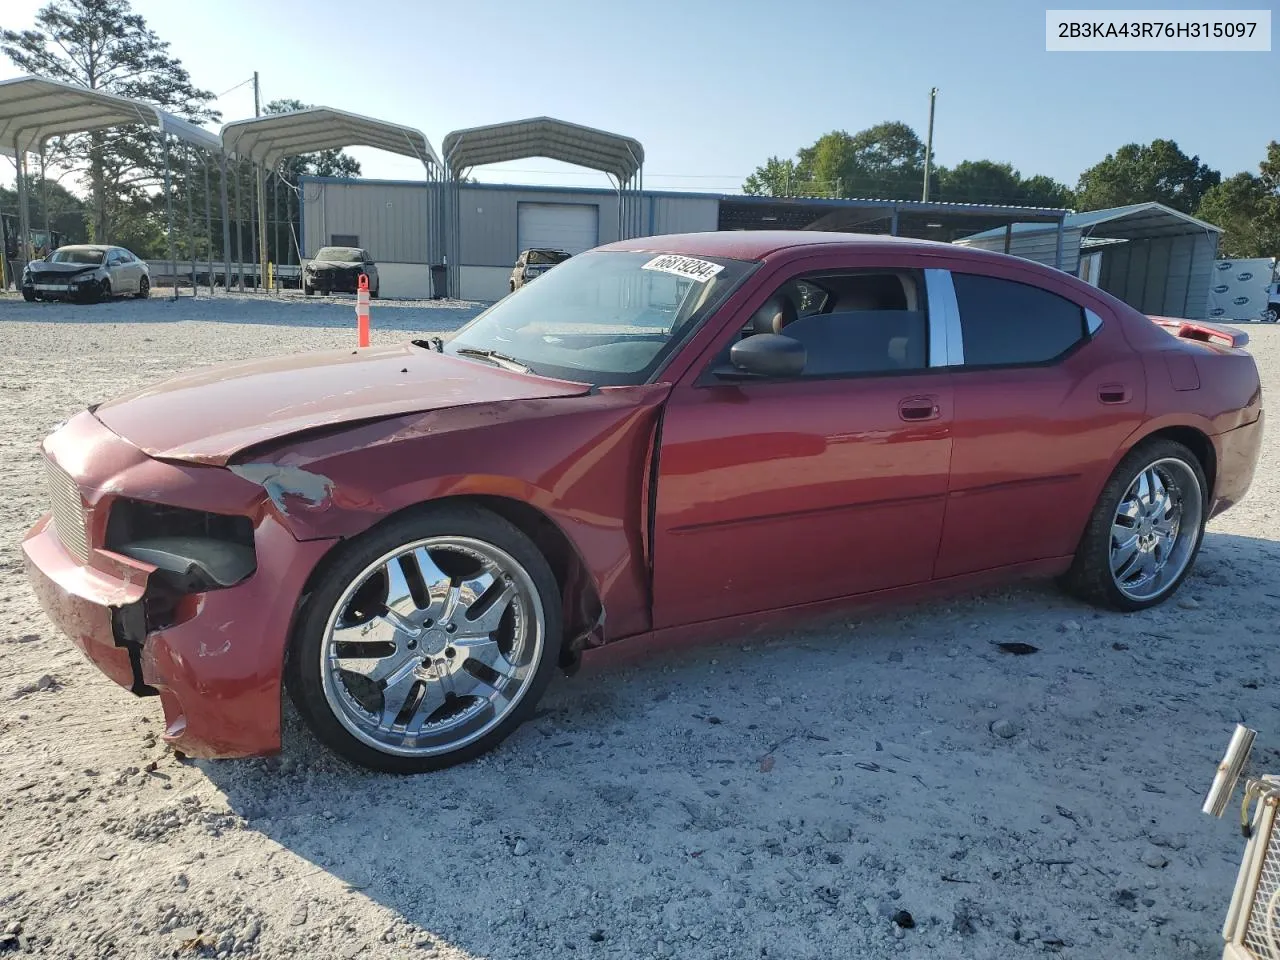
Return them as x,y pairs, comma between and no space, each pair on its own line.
1157,259
265,141
619,158
34,109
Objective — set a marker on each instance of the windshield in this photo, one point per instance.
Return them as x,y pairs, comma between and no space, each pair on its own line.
88,257
605,317
546,256
339,255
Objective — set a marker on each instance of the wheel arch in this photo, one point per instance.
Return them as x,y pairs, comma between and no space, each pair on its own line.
581,606
1192,436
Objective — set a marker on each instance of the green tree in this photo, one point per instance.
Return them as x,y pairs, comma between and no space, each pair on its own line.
985,181
1042,191
104,45
66,210
888,162
1141,173
773,178
1247,207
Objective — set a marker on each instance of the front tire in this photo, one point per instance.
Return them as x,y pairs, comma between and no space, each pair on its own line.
144,289
427,641
28,295
309,290
1145,531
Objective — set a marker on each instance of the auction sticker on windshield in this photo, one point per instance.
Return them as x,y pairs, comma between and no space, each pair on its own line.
690,267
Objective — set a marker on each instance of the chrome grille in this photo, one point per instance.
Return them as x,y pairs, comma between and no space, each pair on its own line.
68,510
1255,936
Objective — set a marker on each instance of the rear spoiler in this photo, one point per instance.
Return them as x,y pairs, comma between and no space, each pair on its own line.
1202,330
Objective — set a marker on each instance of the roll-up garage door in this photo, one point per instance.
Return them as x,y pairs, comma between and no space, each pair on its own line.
571,227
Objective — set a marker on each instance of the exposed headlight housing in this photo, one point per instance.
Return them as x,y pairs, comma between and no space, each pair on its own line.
194,551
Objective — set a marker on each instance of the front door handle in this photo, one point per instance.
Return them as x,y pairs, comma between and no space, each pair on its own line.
1114,393
914,409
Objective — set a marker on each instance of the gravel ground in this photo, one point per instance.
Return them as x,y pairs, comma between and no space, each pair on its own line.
785,797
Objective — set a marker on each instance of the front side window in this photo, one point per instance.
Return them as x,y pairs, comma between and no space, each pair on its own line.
604,317
857,323
1006,323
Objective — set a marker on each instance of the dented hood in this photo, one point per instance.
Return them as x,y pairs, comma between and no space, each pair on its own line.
211,414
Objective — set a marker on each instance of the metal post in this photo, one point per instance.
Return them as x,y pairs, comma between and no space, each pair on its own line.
928,146
226,224
1057,254
239,229
191,217
168,205
24,214
44,202
893,223
1008,236
261,239
275,191
255,212
208,218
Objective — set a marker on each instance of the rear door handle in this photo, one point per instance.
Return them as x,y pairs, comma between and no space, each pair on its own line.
1114,393
914,409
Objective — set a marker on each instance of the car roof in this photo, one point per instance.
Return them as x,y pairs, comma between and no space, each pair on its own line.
767,244
759,244
96,247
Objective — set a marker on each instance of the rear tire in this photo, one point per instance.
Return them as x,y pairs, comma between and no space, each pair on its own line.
376,662
1145,530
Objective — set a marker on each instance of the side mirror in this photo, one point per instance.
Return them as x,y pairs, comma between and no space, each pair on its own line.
765,355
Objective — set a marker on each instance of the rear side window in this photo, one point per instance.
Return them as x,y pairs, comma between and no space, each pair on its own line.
1004,323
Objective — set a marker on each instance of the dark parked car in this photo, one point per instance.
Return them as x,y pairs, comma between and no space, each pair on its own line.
667,439
534,263
86,272
338,270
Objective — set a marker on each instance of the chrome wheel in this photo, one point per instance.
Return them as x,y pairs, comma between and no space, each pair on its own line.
432,645
1155,529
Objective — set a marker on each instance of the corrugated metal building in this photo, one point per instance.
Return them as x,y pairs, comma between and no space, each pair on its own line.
389,219
1155,258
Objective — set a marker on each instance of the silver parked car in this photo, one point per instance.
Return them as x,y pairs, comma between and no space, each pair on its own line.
86,272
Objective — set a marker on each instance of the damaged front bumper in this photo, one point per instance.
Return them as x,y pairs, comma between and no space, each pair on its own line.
213,654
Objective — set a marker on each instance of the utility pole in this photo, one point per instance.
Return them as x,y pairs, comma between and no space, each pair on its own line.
928,146
262,197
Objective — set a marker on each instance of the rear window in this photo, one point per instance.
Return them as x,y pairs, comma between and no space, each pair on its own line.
546,256
1005,323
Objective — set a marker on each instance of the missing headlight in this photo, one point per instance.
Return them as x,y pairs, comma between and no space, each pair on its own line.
193,550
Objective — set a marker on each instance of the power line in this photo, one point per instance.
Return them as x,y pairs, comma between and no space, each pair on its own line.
242,83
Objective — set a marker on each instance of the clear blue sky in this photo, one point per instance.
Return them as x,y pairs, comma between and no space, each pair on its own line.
713,88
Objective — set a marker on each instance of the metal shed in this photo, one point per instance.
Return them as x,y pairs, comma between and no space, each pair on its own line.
1157,259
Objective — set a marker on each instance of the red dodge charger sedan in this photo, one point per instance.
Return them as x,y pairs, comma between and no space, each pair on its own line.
663,439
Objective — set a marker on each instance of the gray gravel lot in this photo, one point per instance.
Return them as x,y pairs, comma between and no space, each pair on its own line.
782,797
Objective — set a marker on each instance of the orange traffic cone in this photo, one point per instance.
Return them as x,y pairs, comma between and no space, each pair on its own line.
362,311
